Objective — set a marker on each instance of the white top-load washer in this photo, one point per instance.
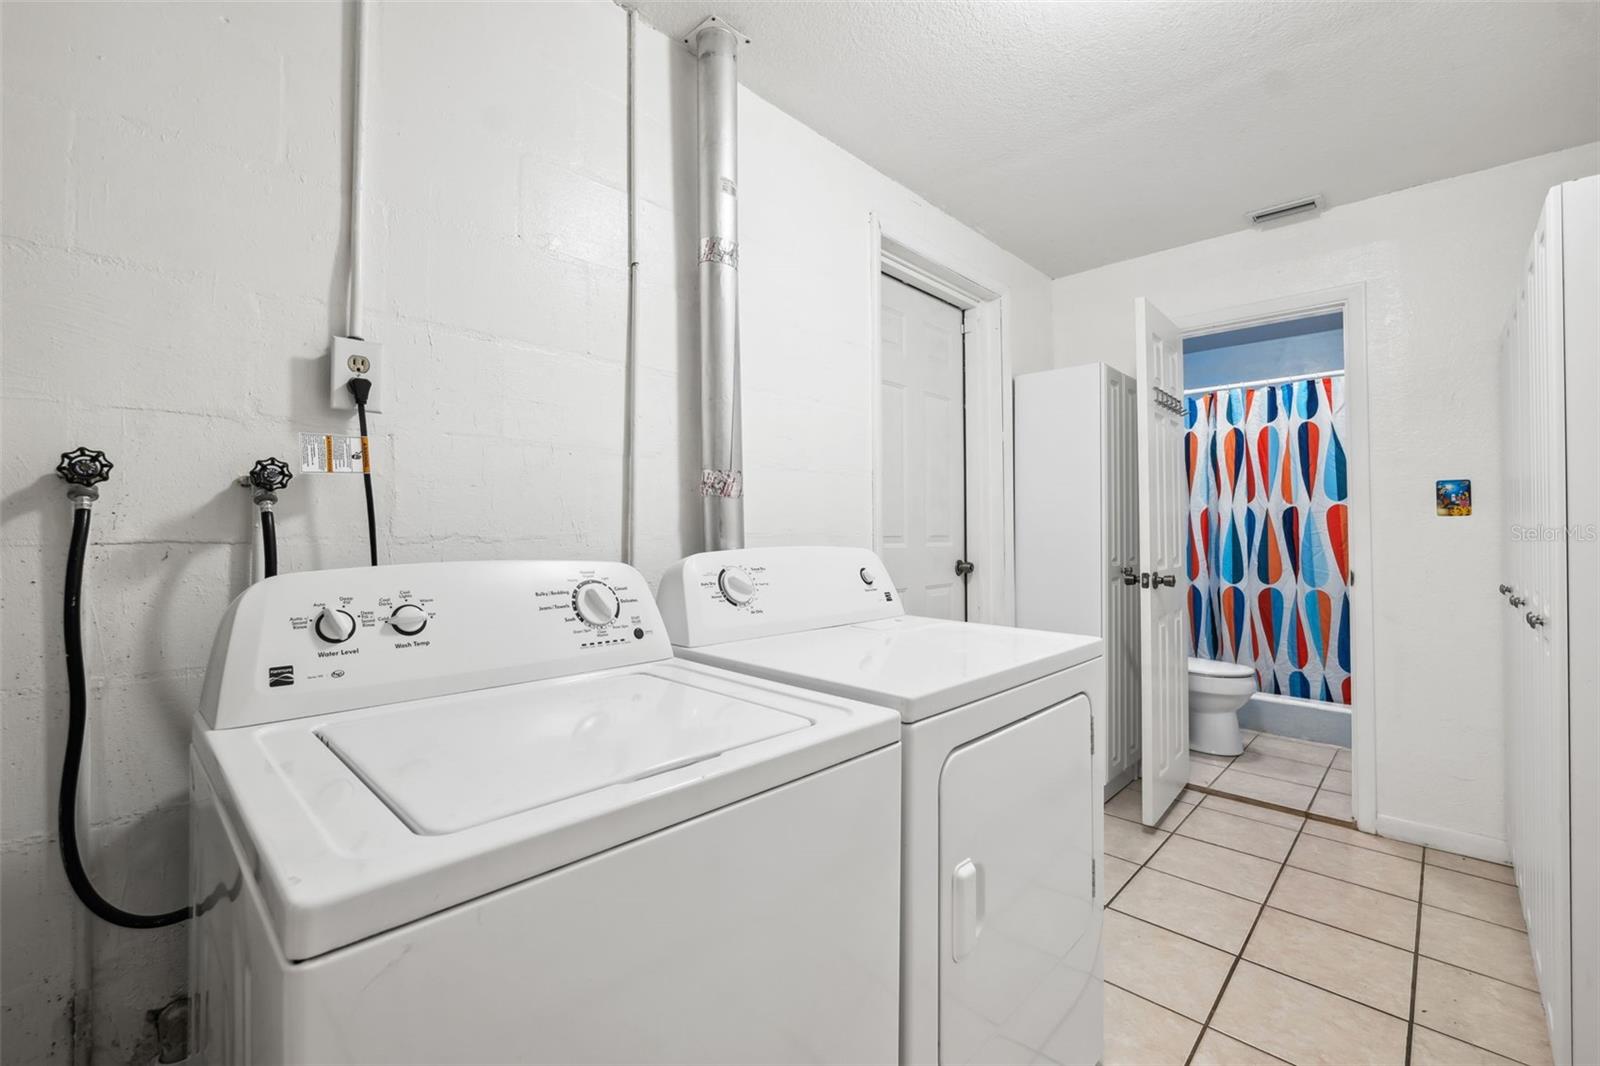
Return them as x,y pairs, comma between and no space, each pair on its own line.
1000,943
477,812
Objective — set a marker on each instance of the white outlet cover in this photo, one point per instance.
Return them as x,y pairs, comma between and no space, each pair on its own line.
344,350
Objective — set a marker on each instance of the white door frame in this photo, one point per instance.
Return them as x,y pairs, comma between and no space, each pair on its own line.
1351,301
989,517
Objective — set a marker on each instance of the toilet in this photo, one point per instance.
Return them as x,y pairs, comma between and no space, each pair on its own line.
1216,692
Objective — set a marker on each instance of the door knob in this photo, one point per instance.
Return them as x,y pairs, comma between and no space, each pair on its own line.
1130,576
964,568
1157,579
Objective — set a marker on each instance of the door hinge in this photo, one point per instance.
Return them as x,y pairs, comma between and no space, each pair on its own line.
1091,736
1094,877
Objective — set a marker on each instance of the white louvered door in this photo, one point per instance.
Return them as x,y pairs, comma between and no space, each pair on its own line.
1550,633
1121,493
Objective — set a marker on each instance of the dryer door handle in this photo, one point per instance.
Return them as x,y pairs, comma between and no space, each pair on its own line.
966,908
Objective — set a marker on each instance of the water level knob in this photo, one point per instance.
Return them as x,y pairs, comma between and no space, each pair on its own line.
335,626
736,586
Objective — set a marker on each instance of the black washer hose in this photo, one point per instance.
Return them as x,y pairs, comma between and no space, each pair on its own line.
269,543
77,721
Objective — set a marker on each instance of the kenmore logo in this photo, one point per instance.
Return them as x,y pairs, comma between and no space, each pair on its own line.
278,676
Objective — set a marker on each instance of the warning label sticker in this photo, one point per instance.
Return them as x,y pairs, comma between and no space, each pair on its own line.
334,454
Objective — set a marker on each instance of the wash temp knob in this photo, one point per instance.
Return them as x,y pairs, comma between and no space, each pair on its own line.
408,619
335,626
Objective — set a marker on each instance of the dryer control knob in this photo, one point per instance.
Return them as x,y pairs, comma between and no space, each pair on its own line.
868,577
335,626
736,586
596,604
408,619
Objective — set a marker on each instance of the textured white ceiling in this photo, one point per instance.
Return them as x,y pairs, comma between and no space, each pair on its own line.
1076,134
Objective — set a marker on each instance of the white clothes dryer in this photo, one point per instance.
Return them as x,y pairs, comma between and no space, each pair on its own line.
477,812
1000,941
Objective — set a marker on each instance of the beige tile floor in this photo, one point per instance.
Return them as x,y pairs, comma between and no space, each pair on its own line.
1240,934
1290,773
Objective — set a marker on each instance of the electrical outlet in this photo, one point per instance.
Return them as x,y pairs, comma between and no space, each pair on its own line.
351,358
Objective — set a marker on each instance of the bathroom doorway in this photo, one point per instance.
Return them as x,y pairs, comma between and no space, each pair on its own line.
1277,542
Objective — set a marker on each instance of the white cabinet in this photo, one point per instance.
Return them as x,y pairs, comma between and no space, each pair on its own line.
1551,588
1077,526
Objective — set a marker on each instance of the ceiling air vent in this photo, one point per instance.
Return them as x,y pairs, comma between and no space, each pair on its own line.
1279,212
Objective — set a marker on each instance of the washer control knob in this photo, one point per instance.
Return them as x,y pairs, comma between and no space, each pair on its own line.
335,626
868,577
736,586
408,619
596,603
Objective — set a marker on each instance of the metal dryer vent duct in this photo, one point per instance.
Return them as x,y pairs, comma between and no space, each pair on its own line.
716,48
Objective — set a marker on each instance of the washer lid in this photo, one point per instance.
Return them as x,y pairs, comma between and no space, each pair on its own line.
1219,668
354,823
917,666
442,769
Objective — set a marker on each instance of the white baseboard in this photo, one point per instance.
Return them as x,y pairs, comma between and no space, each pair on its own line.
1475,845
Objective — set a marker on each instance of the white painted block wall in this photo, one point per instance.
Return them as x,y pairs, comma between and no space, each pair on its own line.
1439,263
173,267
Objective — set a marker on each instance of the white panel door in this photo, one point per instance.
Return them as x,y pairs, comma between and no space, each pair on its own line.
1163,503
922,483
1019,927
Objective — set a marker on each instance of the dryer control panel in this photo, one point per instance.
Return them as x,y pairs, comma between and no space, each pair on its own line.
329,640
716,597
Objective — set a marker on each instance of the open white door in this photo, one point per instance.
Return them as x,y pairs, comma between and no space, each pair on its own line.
1163,505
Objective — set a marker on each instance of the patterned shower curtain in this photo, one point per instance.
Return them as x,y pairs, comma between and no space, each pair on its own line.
1269,546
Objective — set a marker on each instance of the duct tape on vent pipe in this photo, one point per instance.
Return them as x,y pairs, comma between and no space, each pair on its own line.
725,483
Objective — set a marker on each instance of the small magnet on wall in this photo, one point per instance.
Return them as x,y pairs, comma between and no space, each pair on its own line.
1453,498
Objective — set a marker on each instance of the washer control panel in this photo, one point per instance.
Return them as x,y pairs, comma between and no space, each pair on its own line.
717,597
320,641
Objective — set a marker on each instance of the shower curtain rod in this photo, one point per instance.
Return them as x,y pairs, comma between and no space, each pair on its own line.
1267,381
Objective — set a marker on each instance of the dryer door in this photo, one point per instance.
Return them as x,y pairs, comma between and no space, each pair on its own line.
1019,960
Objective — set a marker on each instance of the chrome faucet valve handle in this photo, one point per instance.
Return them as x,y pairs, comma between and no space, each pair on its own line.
83,469
1505,590
1517,601
1534,620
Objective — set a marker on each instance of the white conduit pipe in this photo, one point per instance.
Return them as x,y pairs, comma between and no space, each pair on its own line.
354,323
722,480
630,387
